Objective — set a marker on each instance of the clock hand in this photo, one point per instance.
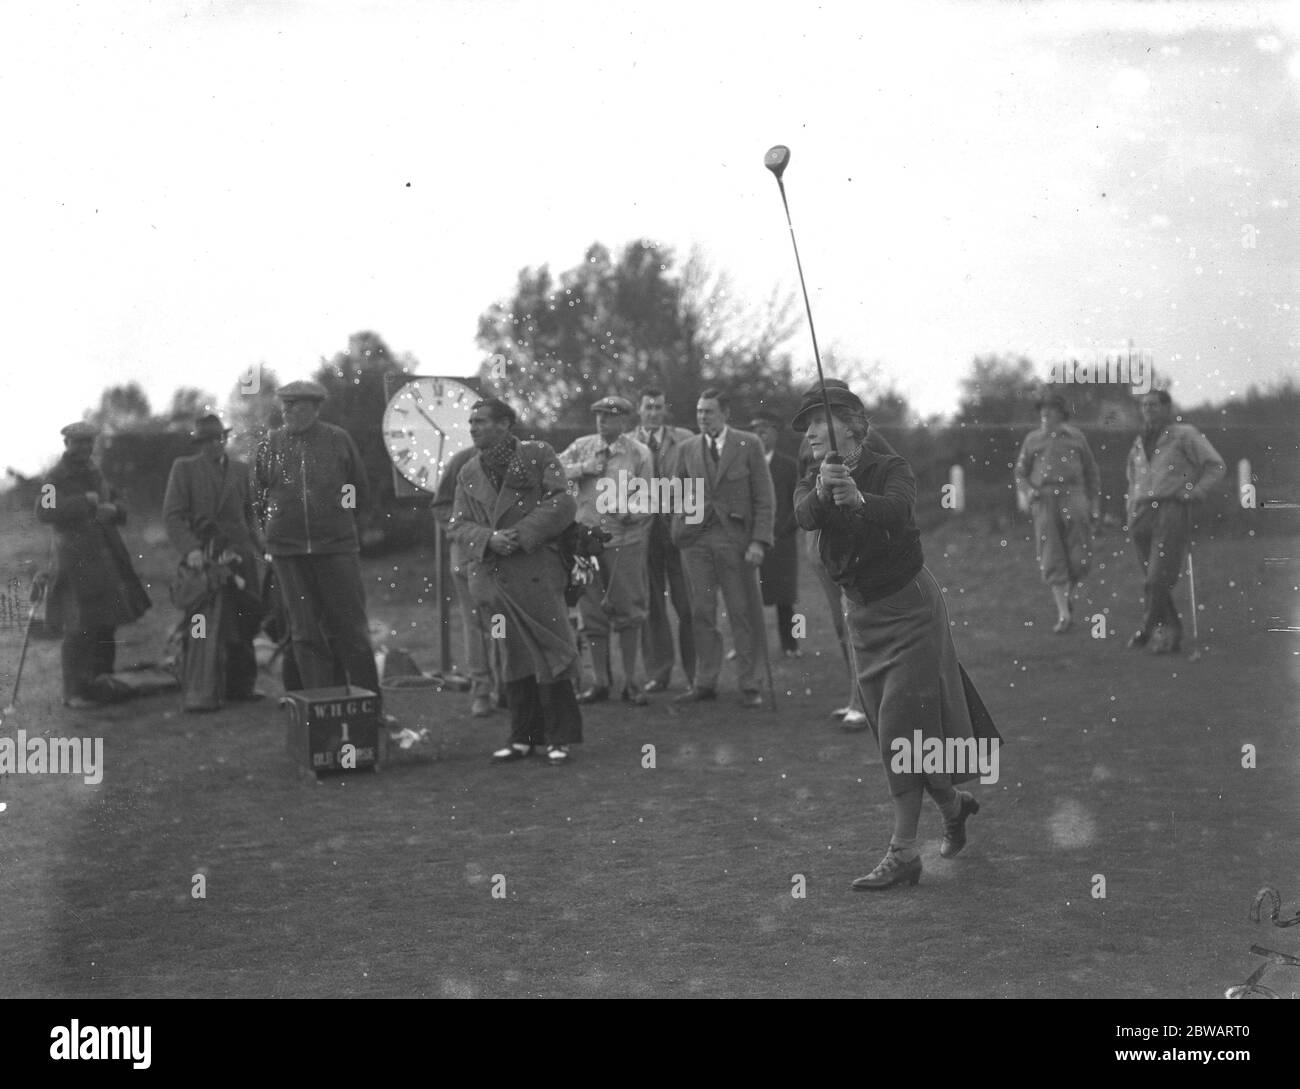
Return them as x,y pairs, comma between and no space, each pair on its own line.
430,419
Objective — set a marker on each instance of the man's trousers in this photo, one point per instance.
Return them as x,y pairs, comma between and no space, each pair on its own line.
1162,535
715,564
324,594
664,567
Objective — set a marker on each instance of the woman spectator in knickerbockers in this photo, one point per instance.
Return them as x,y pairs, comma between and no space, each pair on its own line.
1058,473
908,673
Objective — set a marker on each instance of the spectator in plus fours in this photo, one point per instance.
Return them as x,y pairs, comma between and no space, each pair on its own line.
310,483
94,587
664,561
511,508
779,575
208,503
1170,467
1057,471
601,469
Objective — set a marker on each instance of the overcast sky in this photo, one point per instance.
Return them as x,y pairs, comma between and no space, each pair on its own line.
189,188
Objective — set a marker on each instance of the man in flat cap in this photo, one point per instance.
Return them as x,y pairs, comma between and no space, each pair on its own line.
601,470
722,550
309,483
779,575
1171,468
208,508
1058,474
663,560
94,587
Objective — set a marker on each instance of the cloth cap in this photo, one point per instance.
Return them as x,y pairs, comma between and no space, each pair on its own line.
80,430
302,391
838,396
617,406
770,419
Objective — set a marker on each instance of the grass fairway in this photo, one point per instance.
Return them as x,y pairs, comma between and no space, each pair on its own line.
622,880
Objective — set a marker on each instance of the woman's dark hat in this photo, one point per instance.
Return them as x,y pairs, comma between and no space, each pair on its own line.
838,397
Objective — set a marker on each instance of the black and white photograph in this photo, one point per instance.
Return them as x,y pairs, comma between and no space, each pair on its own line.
654,500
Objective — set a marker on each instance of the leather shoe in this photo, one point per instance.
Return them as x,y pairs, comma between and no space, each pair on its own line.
1138,639
696,695
954,831
481,707
599,694
634,695
751,699
655,686
890,871
81,703
511,753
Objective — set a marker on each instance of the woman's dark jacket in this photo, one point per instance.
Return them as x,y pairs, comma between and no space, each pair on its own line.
875,550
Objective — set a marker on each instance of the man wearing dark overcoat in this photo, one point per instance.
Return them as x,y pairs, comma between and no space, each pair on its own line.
209,505
511,507
93,587
779,575
723,542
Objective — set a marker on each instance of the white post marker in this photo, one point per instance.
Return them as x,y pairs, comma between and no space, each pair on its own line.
957,486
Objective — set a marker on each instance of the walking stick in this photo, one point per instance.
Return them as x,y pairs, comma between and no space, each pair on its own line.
1196,631
38,594
759,627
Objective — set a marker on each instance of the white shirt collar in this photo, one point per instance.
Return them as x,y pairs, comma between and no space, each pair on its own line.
721,440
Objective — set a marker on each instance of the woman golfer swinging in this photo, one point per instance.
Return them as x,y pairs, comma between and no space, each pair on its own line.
910,680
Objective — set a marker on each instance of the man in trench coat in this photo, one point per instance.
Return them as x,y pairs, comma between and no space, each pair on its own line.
94,587
510,509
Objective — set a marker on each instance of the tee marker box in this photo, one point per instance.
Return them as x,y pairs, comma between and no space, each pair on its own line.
333,730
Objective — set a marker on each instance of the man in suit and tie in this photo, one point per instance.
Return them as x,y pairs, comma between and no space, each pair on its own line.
779,574
722,547
664,561
209,502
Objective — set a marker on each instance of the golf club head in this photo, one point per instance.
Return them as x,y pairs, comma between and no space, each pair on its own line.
777,159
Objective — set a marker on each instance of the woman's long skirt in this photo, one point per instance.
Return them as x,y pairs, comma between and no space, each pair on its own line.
910,680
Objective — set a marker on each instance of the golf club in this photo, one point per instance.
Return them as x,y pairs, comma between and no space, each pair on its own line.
776,160
38,593
1196,631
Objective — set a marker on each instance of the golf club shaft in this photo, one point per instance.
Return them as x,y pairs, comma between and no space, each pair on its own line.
817,356
1191,583
22,657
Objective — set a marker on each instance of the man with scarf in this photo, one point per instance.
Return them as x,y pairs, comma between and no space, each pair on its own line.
94,588
1170,467
510,510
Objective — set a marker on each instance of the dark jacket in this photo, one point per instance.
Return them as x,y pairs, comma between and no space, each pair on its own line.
94,584
201,489
779,574
309,488
873,551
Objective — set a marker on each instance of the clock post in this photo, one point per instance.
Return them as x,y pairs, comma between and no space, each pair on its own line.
425,424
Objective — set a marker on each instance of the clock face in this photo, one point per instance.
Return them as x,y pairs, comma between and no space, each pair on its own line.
425,424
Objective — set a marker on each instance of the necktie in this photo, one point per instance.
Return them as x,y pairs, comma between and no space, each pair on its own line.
713,449
654,444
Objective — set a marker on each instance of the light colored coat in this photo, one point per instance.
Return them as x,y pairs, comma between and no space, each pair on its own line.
526,589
